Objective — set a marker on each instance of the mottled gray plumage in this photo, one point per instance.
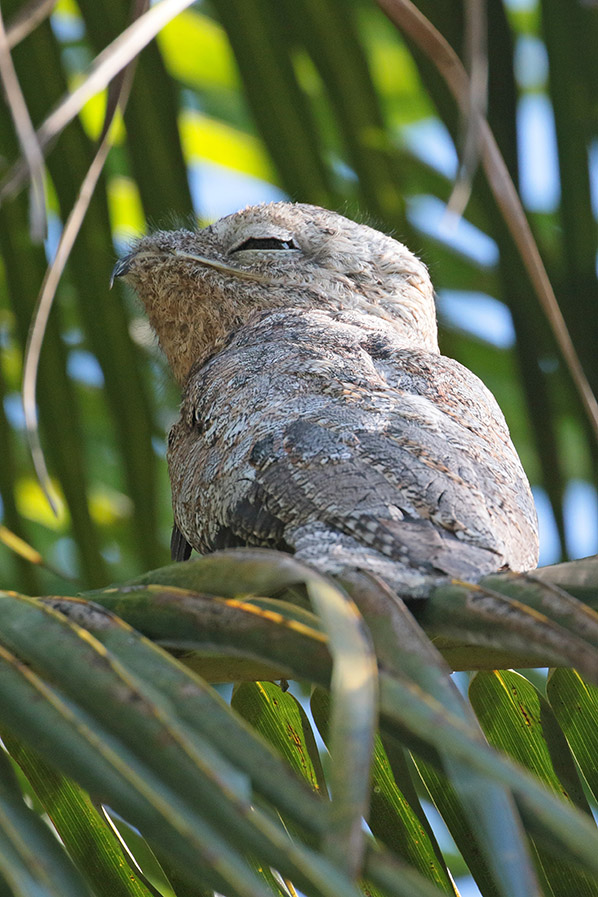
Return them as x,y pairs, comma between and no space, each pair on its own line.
318,415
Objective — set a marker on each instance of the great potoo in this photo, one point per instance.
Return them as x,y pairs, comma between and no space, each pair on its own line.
318,415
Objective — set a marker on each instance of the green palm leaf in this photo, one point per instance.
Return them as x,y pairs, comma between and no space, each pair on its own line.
106,699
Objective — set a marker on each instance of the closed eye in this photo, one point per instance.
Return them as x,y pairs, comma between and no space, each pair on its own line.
265,243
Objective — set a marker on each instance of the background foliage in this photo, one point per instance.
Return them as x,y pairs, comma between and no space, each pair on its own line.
325,102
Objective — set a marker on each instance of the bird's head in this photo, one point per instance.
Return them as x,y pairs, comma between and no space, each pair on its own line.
198,287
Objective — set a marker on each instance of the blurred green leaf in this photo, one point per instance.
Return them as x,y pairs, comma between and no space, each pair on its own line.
196,50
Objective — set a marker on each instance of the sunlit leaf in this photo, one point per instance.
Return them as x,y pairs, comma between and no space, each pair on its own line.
575,705
208,139
196,51
516,718
84,831
278,716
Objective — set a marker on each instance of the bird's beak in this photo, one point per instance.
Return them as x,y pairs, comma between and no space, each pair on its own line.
122,267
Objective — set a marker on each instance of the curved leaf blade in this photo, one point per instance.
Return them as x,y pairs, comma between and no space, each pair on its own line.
519,721
84,832
32,861
575,705
280,718
392,819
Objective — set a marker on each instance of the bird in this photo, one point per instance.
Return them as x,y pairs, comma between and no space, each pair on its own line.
318,416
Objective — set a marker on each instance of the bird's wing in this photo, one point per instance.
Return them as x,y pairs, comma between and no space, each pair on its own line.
180,550
292,435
